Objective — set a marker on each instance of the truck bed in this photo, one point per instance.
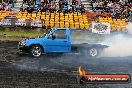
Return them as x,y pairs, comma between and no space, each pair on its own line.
86,45
81,36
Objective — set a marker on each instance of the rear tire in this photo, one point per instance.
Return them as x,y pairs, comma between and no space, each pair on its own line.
36,51
92,52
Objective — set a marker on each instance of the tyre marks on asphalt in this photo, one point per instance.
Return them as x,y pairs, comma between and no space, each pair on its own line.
65,64
10,54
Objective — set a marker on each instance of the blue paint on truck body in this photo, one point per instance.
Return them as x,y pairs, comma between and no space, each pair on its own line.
61,42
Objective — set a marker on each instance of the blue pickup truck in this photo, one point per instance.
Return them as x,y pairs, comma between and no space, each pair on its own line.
58,40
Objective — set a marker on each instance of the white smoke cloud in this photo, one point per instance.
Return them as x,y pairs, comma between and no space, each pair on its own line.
129,28
120,44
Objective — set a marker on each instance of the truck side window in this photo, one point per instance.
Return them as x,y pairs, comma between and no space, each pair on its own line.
60,34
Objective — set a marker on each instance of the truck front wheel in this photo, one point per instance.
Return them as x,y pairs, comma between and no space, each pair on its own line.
36,51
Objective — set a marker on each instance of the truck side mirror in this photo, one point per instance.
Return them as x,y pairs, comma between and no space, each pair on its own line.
53,37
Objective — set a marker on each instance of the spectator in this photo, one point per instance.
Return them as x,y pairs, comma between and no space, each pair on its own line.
121,7
53,6
1,7
94,5
82,9
10,3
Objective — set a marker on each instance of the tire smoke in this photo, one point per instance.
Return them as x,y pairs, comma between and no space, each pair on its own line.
129,28
120,44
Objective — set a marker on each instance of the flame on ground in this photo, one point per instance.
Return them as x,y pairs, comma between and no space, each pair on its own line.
81,71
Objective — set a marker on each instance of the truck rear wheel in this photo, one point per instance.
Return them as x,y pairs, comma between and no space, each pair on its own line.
92,52
36,51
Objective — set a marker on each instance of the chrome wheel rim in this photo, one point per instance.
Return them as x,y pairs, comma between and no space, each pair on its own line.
93,52
36,51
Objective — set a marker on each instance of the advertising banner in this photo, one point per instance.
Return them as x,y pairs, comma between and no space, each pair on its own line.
20,22
36,23
101,28
5,22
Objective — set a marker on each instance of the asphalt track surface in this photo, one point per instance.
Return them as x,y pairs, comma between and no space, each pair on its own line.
55,71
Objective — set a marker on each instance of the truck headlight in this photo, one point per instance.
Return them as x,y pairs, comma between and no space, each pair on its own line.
22,43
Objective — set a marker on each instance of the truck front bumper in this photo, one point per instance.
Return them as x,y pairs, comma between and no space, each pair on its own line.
24,49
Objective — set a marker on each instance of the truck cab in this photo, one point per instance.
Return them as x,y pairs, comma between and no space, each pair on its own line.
56,40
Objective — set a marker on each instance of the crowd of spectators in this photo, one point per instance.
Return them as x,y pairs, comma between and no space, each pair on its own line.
53,6
7,5
117,8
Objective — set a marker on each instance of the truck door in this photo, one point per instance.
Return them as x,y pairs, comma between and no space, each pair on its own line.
58,41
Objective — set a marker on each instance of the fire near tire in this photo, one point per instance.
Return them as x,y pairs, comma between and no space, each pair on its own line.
36,51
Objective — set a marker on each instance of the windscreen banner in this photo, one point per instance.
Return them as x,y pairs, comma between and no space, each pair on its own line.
101,28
